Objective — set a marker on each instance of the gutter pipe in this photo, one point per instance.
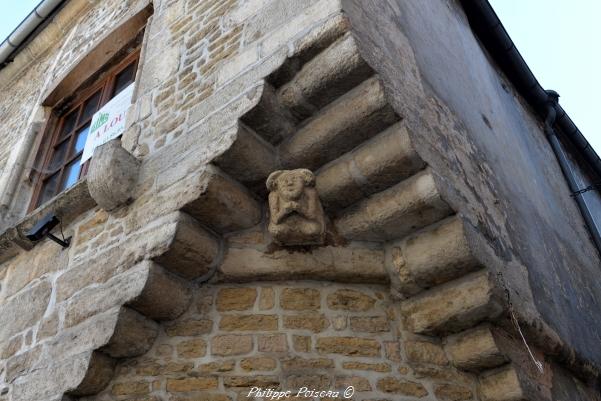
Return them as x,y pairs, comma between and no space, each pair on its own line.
490,31
35,18
565,165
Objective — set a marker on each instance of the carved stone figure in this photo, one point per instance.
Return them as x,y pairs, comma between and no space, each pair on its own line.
296,215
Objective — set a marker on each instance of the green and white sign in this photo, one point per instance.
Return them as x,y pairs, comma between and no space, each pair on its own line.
108,122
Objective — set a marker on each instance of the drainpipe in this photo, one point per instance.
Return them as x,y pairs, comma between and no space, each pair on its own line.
552,106
25,28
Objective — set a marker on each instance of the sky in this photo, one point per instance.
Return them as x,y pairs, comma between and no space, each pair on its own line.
559,40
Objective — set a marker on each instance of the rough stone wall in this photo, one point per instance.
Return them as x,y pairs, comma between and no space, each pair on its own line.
52,296
498,169
207,70
287,336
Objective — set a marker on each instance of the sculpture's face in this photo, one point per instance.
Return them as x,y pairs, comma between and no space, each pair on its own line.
291,185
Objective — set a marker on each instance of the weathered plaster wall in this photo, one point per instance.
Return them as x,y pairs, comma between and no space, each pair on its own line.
494,155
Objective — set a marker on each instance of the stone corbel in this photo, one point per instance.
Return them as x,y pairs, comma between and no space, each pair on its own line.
112,175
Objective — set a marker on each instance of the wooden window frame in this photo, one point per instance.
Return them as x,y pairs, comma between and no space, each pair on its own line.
105,83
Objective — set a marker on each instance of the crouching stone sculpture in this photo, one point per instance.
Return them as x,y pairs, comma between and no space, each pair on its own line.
296,215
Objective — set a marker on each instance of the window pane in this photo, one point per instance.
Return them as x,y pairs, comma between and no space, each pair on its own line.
48,189
124,78
90,107
58,156
71,174
69,123
80,140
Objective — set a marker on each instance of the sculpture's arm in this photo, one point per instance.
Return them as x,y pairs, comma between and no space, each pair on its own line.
277,213
312,209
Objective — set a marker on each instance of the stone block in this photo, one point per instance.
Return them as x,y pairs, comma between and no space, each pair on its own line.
345,264
345,123
392,385
221,366
258,364
98,375
236,64
22,363
369,324
357,382
453,392
189,327
295,30
11,243
227,345
500,384
321,35
133,336
303,364
112,175
272,15
273,343
350,300
236,299
308,380
45,260
300,299
454,306
329,75
94,270
11,346
267,298
268,118
66,374
424,352
301,343
220,202
349,346
131,388
248,322
92,334
191,251
115,292
191,384
379,163
375,367
395,212
475,349
433,256
194,348
164,297
249,159
24,309
339,322
251,381
313,322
